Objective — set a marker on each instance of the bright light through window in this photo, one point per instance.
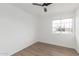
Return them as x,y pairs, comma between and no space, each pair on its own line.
62,26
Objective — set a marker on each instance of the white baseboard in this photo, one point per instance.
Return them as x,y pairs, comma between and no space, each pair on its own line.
31,43
3,53
56,44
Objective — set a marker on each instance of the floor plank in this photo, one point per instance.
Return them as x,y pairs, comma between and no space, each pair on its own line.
43,49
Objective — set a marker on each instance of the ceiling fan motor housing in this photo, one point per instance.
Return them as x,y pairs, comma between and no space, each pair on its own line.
43,5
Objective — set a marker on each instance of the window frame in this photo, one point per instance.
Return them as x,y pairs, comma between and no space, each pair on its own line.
66,31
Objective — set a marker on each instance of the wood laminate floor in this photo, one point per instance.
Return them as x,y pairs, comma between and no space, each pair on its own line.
43,49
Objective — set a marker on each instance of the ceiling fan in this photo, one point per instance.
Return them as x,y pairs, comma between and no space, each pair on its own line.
44,5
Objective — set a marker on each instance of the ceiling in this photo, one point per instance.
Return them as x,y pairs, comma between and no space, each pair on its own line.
53,8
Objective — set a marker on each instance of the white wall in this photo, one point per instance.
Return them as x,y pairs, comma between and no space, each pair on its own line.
46,35
17,29
77,29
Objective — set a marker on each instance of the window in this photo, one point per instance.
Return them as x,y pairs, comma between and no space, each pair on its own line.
62,26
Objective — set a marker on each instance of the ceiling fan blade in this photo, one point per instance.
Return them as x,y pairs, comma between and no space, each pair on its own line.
49,3
45,9
46,4
37,4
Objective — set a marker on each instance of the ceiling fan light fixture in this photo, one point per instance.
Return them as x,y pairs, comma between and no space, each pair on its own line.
45,9
44,5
